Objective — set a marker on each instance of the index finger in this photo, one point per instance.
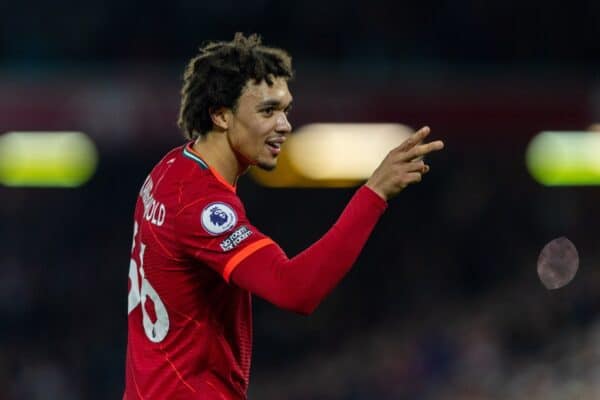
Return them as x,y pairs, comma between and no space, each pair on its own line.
422,150
415,138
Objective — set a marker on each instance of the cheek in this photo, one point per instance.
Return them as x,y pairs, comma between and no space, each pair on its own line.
248,141
258,132
250,135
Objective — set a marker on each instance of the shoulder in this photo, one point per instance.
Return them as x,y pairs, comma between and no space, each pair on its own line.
207,195
179,178
191,188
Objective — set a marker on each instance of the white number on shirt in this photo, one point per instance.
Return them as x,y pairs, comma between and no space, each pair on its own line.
155,331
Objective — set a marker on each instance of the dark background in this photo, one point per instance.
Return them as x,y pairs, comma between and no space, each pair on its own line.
443,303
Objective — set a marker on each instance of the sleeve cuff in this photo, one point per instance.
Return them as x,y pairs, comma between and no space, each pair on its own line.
372,198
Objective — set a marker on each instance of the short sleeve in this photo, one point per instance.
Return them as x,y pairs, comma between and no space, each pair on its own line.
215,231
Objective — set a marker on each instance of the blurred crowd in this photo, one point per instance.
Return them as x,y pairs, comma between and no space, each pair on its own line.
516,343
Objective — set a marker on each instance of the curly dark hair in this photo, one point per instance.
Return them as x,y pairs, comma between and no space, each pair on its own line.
216,76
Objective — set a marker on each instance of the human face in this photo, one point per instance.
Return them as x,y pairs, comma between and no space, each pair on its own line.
259,125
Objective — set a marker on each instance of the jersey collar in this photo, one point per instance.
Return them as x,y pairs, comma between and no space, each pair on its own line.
189,152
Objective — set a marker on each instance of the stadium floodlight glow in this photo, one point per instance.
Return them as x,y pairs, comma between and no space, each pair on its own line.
332,155
46,159
565,158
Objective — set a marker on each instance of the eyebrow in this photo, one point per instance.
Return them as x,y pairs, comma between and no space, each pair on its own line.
272,103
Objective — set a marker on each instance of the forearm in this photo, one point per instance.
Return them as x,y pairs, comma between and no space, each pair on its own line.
301,283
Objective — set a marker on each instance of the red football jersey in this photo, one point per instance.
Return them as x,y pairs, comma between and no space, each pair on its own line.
189,330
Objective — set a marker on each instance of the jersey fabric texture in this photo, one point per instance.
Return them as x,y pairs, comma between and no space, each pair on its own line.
189,331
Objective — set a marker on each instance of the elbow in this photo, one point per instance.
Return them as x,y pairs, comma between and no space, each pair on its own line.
305,311
304,307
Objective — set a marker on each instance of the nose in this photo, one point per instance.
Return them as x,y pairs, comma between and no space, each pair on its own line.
283,125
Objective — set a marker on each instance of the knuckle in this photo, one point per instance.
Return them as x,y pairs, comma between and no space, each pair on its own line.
397,169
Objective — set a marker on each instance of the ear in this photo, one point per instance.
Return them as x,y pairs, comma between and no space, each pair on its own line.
220,117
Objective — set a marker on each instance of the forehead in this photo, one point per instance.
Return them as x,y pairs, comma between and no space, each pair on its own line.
255,93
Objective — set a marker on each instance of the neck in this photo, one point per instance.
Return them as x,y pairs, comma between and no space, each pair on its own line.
215,149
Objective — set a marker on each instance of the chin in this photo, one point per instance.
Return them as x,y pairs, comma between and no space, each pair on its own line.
267,166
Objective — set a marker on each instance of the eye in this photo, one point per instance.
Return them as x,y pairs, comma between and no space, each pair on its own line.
287,110
267,112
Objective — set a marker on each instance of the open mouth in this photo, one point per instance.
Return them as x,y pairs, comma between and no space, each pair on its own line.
275,145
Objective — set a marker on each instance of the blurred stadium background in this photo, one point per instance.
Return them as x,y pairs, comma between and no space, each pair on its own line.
444,303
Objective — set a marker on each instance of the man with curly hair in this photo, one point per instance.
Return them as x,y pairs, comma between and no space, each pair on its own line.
196,258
